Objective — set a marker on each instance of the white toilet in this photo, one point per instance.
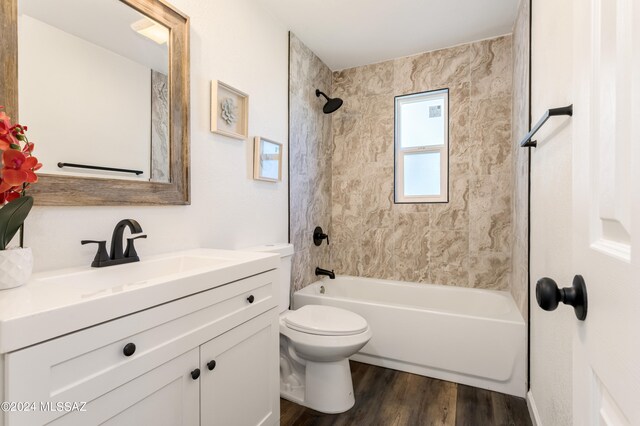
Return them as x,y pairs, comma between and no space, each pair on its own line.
315,344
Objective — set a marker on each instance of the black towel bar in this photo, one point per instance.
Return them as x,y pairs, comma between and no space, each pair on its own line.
110,169
526,141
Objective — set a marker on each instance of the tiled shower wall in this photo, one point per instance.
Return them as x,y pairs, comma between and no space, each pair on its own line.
310,161
520,156
341,169
466,242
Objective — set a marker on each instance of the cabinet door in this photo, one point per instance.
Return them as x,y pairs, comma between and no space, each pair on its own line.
165,396
243,387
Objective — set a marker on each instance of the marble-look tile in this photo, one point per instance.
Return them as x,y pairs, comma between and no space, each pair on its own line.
449,247
520,158
459,140
447,274
300,263
345,125
491,135
410,246
440,69
490,206
377,79
455,213
347,183
346,255
378,254
347,83
310,150
491,68
377,197
377,140
490,271
402,71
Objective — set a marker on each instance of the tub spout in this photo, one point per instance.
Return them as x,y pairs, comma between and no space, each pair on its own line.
330,274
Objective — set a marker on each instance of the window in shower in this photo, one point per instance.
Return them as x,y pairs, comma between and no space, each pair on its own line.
422,147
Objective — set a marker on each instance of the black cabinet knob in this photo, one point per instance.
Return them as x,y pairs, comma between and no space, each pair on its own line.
211,365
129,349
250,299
549,295
195,374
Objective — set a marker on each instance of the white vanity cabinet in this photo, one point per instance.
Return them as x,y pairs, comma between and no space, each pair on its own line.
240,382
164,396
209,358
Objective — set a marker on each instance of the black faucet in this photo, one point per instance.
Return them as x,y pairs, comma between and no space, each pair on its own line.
330,274
117,255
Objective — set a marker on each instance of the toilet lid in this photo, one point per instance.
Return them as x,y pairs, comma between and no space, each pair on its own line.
325,320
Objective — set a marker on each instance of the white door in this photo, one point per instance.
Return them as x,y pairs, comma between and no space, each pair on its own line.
606,205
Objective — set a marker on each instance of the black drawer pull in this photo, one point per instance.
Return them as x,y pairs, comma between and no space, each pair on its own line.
129,349
195,374
211,365
250,299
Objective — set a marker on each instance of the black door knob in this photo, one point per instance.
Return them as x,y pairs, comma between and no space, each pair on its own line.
129,349
195,374
211,365
250,299
549,295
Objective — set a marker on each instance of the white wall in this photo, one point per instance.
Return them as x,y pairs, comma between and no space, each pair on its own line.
240,44
70,87
551,341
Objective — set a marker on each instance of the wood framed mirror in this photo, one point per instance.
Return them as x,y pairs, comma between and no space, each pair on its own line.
75,186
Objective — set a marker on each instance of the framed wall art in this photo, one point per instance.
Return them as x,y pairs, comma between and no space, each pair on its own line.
267,160
229,111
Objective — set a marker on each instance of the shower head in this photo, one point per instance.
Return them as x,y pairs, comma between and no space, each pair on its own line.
332,103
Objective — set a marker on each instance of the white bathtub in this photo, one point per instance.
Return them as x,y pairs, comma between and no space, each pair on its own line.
470,336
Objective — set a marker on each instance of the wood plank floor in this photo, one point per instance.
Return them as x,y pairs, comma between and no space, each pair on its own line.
388,397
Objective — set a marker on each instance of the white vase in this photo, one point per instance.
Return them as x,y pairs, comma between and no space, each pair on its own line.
16,265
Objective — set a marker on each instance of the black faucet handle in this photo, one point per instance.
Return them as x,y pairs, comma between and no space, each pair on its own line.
319,235
130,251
101,255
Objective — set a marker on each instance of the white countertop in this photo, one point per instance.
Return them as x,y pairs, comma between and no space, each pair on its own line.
58,302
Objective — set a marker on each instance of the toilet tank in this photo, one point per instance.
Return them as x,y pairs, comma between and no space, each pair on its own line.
285,251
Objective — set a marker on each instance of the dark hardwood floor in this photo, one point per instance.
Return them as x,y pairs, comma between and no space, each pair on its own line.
388,397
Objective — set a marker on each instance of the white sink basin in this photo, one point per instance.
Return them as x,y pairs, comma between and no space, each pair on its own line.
93,281
58,302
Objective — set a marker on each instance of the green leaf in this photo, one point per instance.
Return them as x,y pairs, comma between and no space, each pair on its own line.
12,216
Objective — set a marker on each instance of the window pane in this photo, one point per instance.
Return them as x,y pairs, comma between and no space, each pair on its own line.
422,122
422,174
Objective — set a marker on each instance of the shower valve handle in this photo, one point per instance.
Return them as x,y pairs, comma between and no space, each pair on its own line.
318,236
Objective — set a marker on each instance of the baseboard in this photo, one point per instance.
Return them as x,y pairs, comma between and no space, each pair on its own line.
533,410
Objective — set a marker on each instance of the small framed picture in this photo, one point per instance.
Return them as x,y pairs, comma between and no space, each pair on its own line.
229,111
267,160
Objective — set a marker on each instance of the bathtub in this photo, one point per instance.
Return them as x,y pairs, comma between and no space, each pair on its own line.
464,335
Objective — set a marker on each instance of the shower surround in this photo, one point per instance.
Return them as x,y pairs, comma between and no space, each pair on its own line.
342,175
466,242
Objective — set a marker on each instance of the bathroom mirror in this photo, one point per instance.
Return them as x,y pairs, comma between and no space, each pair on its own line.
103,87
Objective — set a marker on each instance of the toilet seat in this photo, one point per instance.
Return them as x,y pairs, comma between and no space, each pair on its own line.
325,321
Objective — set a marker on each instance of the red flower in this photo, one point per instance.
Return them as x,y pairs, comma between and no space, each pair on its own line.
6,132
18,169
8,195
28,148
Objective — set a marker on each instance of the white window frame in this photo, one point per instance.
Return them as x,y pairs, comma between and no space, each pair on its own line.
400,152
